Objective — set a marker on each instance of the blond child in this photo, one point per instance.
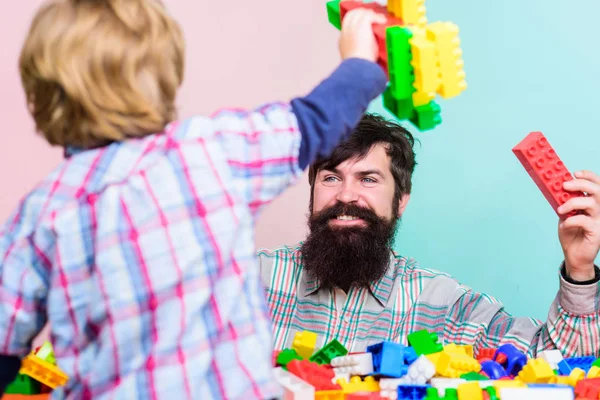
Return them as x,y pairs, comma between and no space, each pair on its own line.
138,249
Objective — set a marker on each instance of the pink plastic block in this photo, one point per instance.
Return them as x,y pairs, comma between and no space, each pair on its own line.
545,168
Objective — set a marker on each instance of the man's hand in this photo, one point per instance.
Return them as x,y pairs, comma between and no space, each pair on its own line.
580,234
357,38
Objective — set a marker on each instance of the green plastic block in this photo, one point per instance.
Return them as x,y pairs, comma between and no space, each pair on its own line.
334,14
450,394
432,394
46,353
596,363
285,356
400,108
330,351
427,116
474,376
491,391
400,70
424,342
23,384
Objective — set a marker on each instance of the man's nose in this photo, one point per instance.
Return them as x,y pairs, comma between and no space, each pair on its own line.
347,193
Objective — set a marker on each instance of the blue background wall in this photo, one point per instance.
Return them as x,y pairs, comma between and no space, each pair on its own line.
475,213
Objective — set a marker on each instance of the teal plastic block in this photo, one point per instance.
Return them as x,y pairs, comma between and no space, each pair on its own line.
334,14
330,351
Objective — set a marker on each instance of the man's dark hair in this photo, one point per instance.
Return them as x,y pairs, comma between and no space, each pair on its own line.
371,130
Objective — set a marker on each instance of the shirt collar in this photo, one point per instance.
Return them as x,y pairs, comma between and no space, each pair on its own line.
381,289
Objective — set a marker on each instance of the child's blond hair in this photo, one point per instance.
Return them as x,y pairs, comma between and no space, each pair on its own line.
99,71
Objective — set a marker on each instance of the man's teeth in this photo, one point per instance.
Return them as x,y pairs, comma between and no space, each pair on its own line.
346,217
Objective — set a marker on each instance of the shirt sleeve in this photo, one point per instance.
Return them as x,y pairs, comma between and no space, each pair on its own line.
268,148
477,319
24,282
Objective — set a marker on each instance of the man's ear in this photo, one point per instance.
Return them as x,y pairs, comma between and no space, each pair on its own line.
402,203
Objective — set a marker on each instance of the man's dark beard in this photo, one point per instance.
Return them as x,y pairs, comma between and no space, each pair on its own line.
345,256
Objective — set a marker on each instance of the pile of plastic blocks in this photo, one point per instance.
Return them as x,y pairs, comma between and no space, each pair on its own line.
428,370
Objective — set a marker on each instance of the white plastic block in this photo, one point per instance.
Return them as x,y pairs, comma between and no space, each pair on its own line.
294,388
388,387
354,364
441,384
552,357
420,371
536,394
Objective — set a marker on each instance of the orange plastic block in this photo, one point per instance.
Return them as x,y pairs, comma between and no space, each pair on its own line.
45,396
42,371
545,168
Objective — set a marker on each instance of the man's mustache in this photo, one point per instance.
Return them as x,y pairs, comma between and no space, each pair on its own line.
351,210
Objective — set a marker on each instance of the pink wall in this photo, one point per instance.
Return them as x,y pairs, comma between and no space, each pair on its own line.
240,53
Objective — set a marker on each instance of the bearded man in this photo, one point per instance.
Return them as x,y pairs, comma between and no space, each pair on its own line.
346,282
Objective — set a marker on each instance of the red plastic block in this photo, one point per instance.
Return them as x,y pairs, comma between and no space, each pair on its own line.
487,353
588,388
378,29
363,396
545,168
319,376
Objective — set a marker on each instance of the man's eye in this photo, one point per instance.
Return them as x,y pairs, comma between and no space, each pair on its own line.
330,179
369,180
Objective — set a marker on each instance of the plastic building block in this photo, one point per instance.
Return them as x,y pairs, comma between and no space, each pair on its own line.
474,376
46,353
363,396
304,343
400,108
461,349
564,368
355,364
491,393
294,388
449,55
536,394
23,384
536,371
545,168
454,365
427,117
330,351
318,376
333,13
412,12
43,371
369,384
424,342
330,395
469,391
580,362
285,356
423,61
399,57
419,372
388,359
412,392
596,363
593,372
589,388
552,357
26,397
493,369
515,360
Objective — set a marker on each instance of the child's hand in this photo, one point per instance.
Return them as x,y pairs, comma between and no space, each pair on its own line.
357,38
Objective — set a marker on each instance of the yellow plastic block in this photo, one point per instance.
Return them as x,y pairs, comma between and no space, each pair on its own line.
575,376
304,343
459,349
469,391
427,76
43,371
450,63
536,371
451,365
330,395
499,384
411,12
420,98
594,372
358,385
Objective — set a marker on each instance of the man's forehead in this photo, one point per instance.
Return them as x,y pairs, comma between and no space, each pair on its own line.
376,159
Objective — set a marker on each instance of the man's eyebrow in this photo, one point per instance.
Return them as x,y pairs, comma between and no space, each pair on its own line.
370,172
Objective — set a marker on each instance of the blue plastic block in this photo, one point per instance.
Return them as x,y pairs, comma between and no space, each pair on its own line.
412,392
493,369
410,355
388,359
549,385
564,368
585,363
515,360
